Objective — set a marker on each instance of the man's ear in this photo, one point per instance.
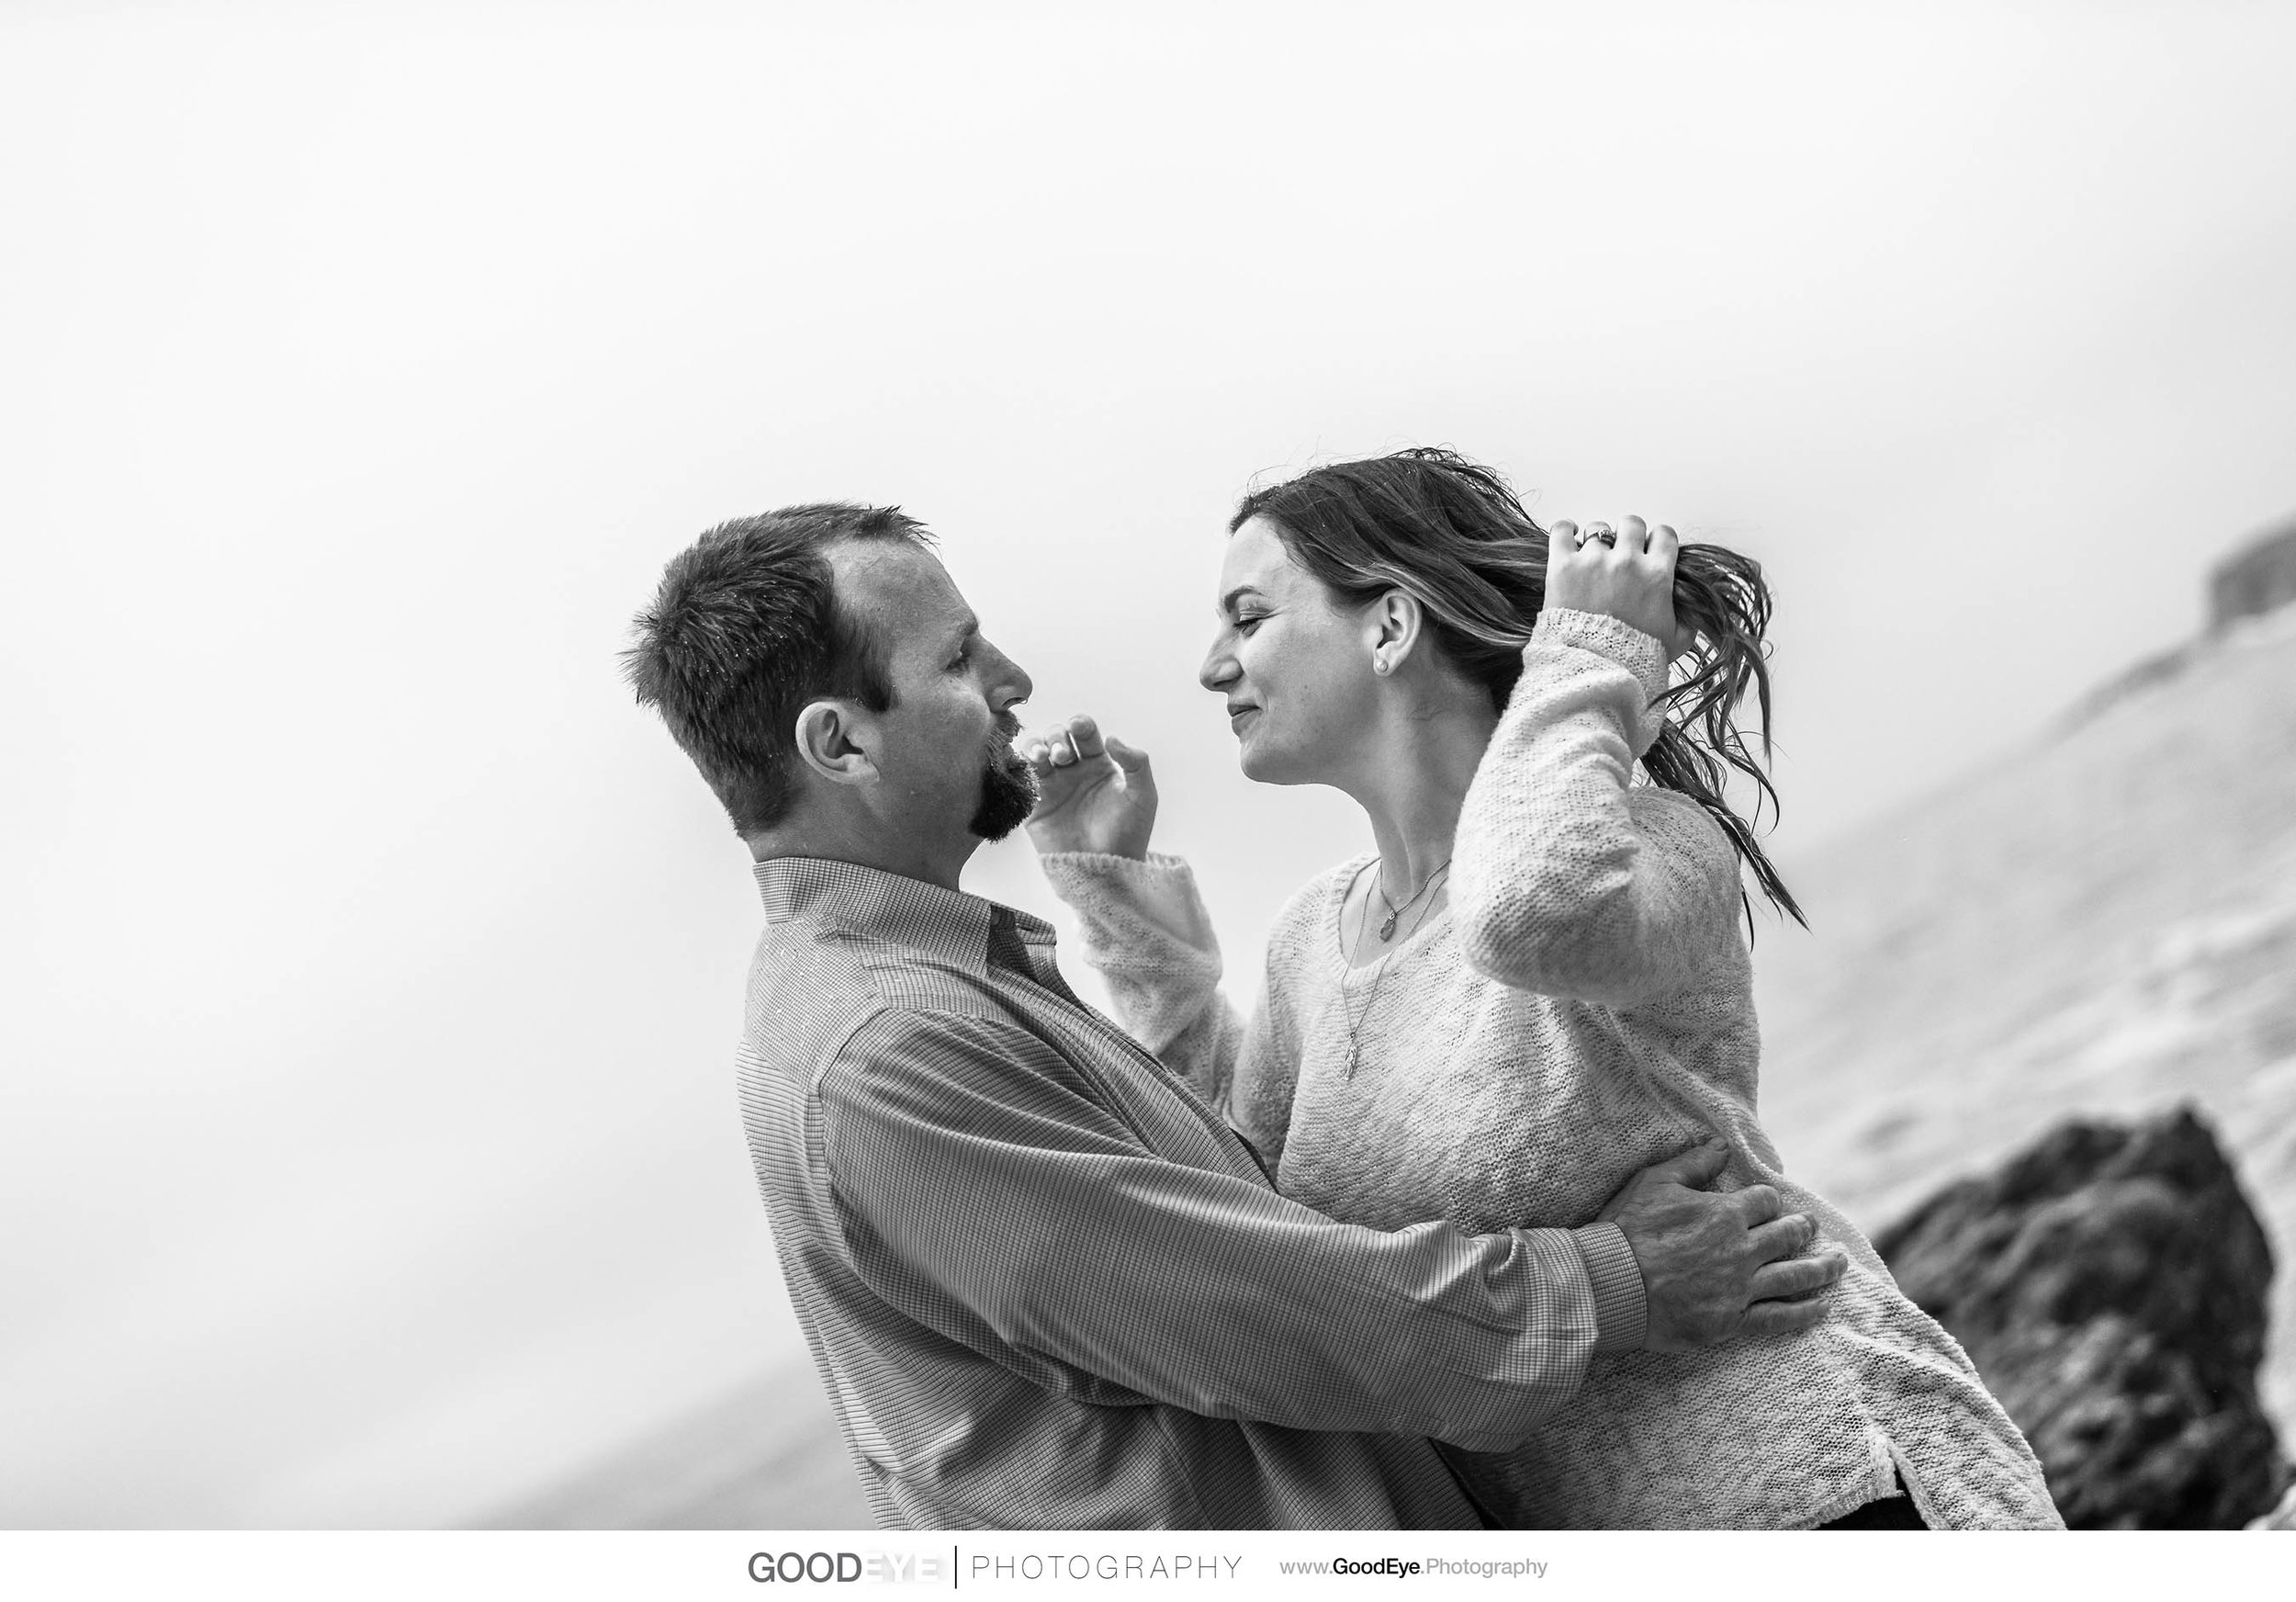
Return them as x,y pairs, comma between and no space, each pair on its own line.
1395,620
838,740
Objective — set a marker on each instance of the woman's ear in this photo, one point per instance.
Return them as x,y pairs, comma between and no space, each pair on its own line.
1396,620
836,739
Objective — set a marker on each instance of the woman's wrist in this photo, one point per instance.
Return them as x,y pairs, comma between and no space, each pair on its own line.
1608,638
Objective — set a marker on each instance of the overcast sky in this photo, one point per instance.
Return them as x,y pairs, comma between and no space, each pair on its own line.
370,1150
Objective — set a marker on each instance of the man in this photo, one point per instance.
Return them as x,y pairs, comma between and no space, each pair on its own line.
1044,1283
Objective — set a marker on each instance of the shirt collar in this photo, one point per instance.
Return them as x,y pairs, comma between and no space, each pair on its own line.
874,905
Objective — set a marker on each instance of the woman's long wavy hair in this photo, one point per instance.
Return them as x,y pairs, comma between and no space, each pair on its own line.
1451,533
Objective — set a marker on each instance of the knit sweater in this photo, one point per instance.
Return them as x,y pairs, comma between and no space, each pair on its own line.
1582,1008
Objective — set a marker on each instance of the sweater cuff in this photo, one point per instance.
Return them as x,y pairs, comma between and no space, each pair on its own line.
1087,874
1114,896
1631,649
1621,1312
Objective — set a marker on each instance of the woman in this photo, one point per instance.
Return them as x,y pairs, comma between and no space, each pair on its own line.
1537,985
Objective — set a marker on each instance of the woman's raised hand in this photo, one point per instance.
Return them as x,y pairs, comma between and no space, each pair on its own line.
1093,794
1628,574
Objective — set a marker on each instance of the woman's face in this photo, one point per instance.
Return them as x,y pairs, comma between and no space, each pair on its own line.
1294,668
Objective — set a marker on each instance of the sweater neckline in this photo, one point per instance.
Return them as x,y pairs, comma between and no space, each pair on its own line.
1335,933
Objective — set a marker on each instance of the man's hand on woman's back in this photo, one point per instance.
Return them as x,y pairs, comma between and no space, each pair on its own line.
1718,1264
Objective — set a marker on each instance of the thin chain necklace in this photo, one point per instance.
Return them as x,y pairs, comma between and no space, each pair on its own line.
1356,1021
1387,929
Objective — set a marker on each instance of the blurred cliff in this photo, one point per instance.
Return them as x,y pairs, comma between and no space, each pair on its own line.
2100,922
2257,579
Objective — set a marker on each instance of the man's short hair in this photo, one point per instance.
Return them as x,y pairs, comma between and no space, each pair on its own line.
746,629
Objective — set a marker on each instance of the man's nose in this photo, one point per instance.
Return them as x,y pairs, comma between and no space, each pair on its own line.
1014,678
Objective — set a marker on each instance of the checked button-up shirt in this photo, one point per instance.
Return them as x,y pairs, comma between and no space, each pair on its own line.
1047,1286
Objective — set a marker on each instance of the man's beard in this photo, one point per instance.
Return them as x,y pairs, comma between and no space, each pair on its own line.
1007,796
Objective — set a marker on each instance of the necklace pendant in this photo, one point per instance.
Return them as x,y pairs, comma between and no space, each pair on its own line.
1387,929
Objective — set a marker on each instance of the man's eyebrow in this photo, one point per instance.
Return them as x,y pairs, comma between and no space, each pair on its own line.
1227,603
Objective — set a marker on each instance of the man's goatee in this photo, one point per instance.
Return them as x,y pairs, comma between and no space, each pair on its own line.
1007,796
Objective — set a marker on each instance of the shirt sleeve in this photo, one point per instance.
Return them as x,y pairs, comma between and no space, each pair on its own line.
1622,1309
1565,880
987,1190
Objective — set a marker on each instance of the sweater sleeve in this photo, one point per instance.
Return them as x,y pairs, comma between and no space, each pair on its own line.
1267,1079
1567,881
1143,926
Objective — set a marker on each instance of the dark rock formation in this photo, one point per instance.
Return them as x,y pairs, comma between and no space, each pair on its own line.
2109,1282
2258,578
